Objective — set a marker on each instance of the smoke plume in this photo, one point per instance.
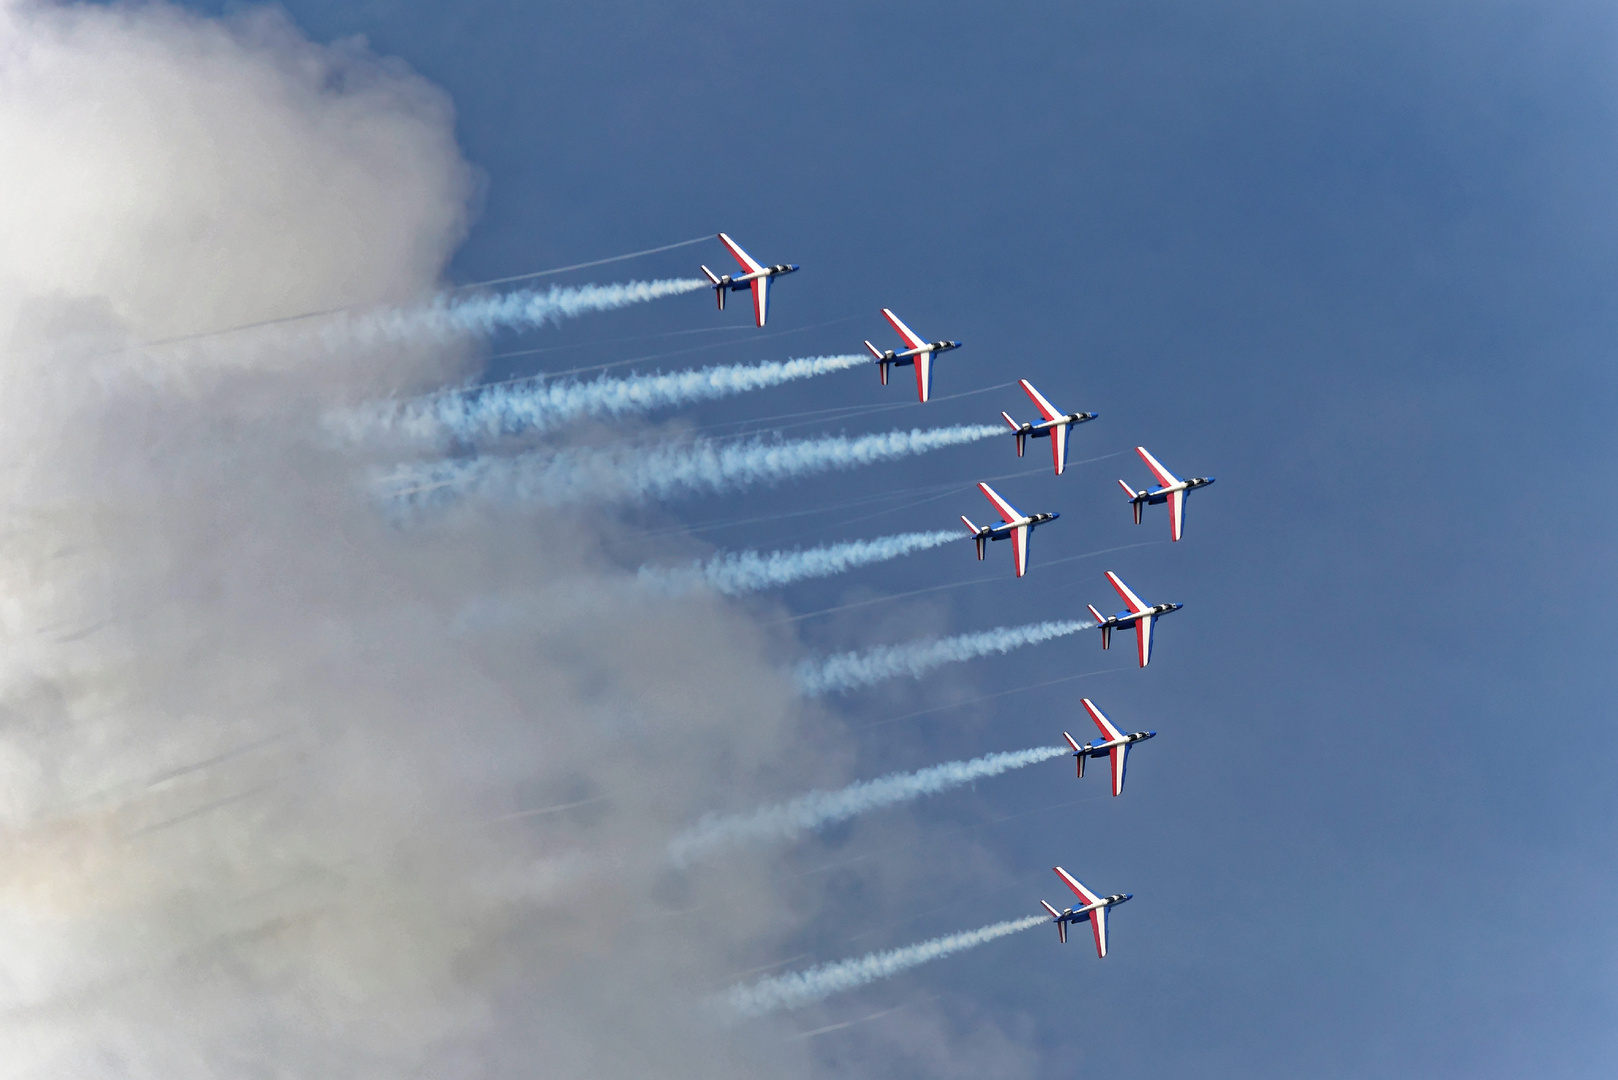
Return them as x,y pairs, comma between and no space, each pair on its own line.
737,572
264,809
848,671
534,406
786,820
638,473
805,987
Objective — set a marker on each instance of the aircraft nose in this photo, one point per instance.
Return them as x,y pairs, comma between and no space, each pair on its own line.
1054,516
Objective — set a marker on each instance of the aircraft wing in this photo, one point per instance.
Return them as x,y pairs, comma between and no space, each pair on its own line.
1008,512
1164,477
1120,761
1108,731
747,261
1059,446
761,298
1143,638
1098,923
1077,886
1046,409
1176,502
912,340
924,375
1019,548
1136,604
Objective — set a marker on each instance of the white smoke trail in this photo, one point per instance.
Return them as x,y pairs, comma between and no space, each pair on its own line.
849,670
632,473
737,572
523,309
530,309
508,410
817,808
806,987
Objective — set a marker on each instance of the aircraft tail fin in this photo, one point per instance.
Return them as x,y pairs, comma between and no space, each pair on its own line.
1078,752
1022,436
719,289
876,352
1100,618
1061,926
977,534
1135,498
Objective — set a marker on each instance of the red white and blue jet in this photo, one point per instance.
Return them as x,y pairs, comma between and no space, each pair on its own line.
754,275
1141,614
1055,426
1014,523
1113,743
917,352
1171,490
1094,908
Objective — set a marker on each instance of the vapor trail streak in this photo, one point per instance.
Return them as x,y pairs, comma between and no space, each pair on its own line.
847,671
786,820
522,309
528,309
448,314
492,412
737,572
806,987
634,473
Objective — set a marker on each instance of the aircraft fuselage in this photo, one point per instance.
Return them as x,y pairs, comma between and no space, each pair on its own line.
737,282
1004,529
1129,618
1155,496
1101,748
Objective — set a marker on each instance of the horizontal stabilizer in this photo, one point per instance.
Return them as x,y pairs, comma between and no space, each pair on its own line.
1010,423
1131,492
713,277
876,352
1071,741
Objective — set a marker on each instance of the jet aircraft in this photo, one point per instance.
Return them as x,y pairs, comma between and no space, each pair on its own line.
1172,490
754,275
1056,426
1113,743
1014,523
1094,909
919,353
1143,615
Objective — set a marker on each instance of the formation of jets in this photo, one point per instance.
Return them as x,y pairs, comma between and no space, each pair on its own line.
1018,527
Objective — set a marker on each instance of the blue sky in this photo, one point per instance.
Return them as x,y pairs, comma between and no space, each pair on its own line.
1354,261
